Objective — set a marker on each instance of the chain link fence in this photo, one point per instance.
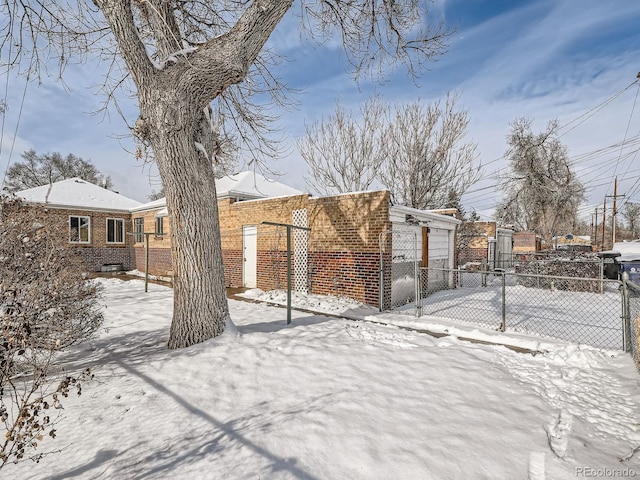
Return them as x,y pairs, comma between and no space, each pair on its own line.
399,270
632,319
581,310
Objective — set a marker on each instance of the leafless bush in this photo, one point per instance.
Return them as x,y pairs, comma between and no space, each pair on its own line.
46,304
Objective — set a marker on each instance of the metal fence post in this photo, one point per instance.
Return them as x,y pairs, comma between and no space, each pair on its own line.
504,303
416,274
626,309
381,273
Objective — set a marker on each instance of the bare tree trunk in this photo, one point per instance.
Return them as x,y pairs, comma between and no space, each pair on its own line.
200,304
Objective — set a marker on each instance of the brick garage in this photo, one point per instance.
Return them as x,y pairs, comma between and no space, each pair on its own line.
342,245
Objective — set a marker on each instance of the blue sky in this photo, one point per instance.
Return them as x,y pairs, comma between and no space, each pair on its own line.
541,59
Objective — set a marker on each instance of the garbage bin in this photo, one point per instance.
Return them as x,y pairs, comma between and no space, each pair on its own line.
632,267
611,268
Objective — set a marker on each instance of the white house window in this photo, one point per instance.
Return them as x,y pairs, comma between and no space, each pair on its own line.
159,226
79,229
138,229
115,230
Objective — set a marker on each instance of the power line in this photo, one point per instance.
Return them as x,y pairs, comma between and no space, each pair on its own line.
15,134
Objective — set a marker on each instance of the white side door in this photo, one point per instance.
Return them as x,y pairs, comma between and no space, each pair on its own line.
249,256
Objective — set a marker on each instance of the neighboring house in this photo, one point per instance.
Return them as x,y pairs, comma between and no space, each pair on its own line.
489,245
339,254
98,219
573,243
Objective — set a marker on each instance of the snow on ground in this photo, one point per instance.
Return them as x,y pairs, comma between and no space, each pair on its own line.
330,398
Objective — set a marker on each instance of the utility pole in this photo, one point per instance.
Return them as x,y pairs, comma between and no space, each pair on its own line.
613,214
595,228
615,211
604,216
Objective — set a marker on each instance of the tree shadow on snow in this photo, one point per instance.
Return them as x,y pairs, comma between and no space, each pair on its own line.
190,450
281,324
102,456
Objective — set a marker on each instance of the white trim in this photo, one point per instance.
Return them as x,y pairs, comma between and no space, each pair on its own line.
398,214
106,236
162,213
79,242
78,208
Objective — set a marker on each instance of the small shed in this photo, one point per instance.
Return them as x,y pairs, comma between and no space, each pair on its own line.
526,242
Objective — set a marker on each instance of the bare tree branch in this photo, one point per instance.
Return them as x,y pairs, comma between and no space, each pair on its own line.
542,193
429,163
345,153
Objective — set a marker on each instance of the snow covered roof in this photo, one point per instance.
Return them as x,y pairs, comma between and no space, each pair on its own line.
252,185
624,251
241,186
398,213
78,194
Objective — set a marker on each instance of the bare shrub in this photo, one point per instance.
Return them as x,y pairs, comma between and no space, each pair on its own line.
46,304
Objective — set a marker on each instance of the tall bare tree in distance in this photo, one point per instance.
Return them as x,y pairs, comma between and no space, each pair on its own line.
417,151
631,213
429,162
344,153
186,63
542,192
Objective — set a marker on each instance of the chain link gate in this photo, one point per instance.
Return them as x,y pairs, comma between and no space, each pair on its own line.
400,260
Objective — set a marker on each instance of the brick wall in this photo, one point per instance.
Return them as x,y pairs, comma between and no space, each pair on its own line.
469,254
160,262
343,245
98,251
525,242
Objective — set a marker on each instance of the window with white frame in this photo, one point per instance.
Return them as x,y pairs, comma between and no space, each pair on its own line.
115,230
79,229
159,226
138,229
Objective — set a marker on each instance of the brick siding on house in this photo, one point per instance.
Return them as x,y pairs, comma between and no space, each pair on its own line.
160,262
343,244
95,257
97,252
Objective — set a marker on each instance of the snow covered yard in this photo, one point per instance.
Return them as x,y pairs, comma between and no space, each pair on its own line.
329,398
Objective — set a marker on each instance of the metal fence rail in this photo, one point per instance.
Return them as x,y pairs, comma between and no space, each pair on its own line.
581,310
